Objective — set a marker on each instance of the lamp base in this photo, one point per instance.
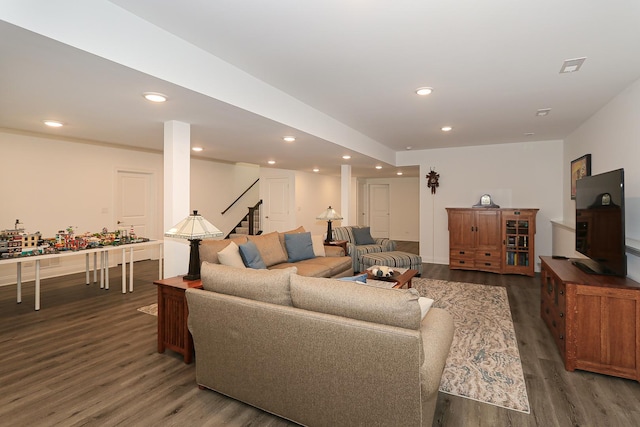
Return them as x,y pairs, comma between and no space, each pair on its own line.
329,238
194,261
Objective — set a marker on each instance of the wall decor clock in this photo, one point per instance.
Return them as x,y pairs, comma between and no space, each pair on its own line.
432,180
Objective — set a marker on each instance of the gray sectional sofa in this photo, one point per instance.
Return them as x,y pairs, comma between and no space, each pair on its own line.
317,351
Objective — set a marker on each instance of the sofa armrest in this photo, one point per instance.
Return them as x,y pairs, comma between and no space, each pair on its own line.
334,251
387,244
437,334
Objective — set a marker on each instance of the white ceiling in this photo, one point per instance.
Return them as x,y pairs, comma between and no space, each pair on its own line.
492,65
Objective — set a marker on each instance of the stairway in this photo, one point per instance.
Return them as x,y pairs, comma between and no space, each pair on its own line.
242,229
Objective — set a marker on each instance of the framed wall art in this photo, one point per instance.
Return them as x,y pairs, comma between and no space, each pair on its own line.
580,167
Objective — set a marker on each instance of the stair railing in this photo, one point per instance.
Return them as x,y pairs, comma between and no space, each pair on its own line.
240,196
254,216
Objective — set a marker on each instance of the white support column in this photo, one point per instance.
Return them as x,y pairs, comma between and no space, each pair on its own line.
177,168
345,194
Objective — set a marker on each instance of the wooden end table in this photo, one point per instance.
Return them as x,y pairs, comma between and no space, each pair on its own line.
341,243
173,332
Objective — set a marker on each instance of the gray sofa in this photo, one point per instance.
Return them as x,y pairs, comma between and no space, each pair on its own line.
317,351
356,250
273,251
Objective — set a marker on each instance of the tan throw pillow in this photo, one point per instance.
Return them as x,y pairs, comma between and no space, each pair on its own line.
318,245
209,248
270,248
231,256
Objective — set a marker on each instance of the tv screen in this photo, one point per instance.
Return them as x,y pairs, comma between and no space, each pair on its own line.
600,234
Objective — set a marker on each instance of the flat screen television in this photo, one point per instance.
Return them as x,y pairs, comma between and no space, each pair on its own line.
600,233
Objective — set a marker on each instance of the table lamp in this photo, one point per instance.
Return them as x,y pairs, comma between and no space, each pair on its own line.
329,215
194,228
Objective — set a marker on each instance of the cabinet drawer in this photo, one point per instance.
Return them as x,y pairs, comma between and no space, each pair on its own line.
488,260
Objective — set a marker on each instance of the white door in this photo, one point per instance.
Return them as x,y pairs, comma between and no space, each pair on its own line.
276,205
134,207
379,210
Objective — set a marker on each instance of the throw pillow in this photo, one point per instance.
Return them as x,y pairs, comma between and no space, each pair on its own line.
360,278
318,245
231,256
425,304
363,236
299,246
270,249
250,255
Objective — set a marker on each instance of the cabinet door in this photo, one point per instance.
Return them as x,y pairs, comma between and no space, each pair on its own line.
518,234
487,229
461,227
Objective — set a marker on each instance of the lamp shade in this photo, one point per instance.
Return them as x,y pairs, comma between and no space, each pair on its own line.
193,227
329,215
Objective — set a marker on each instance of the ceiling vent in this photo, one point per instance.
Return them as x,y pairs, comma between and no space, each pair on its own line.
572,65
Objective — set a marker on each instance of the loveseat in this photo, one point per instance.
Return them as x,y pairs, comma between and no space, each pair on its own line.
277,251
360,243
317,351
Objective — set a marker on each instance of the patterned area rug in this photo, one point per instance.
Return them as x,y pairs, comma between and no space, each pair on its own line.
151,309
484,361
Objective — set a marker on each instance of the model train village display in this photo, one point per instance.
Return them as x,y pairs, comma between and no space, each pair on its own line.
17,243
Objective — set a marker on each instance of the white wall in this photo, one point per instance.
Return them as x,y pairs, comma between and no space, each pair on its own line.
521,175
612,137
50,184
404,206
314,194
215,185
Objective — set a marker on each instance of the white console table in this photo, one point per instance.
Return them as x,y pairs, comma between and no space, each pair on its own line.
104,266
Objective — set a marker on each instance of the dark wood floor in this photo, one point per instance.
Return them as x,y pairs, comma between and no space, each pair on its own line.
88,357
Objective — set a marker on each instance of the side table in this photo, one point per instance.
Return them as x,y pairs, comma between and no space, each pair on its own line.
341,243
173,332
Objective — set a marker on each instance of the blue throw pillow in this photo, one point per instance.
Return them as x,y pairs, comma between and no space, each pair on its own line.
363,236
360,278
299,246
250,255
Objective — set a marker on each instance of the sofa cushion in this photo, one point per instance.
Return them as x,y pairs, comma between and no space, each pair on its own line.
363,236
231,256
270,286
307,267
251,256
299,246
318,245
209,248
270,248
294,231
394,307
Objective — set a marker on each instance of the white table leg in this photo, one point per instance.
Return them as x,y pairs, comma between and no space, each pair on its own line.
19,283
160,259
102,270
95,267
131,270
106,270
124,271
87,270
37,284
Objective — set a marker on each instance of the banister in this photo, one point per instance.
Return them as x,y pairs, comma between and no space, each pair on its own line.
240,196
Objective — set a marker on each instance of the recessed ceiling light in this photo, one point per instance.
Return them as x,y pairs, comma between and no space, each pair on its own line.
422,91
398,173
346,157
543,112
53,123
316,170
378,167
289,138
198,149
155,96
572,65
529,134
408,147
446,128
272,162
